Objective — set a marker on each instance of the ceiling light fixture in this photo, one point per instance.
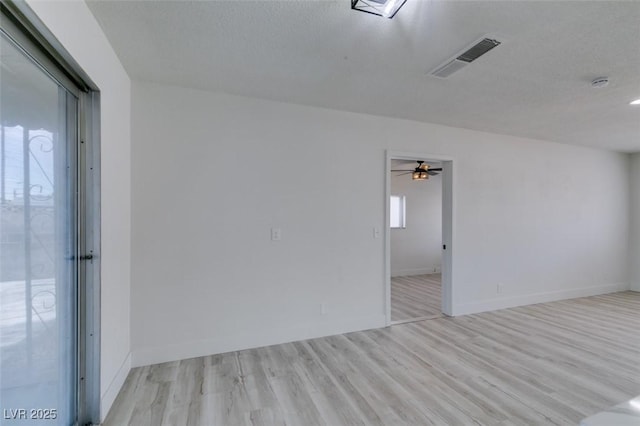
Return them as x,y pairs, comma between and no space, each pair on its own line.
420,172
636,102
420,175
386,8
600,82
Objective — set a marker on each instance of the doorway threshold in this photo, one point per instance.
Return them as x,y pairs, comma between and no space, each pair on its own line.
428,317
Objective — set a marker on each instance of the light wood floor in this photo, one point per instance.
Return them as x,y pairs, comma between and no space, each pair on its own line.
416,296
545,364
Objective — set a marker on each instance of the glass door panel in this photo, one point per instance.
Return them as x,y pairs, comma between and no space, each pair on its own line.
38,221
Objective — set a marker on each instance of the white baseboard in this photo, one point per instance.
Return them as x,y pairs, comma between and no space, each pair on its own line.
530,299
185,350
415,271
110,394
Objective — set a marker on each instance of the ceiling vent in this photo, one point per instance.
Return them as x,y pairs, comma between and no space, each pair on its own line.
464,58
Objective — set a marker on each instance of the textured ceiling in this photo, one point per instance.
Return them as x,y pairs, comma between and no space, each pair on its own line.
536,84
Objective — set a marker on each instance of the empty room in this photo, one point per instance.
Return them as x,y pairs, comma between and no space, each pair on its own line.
319,212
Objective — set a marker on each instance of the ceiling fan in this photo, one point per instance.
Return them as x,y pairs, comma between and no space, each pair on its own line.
422,172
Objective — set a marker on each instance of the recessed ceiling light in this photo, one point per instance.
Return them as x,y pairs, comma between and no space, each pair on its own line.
636,102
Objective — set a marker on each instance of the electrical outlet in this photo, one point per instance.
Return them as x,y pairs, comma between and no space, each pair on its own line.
276,234
323,309
376,233
499,288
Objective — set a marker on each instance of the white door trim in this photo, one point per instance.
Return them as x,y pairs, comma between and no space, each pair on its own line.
448,226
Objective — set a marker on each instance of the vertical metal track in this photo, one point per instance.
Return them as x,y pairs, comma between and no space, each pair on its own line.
26,196
3,165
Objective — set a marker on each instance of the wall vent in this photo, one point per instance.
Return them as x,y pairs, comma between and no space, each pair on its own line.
464,58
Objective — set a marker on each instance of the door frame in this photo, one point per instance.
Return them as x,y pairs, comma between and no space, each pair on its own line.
448,226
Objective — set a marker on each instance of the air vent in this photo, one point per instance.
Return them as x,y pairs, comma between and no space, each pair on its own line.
467,56
449,68
478,50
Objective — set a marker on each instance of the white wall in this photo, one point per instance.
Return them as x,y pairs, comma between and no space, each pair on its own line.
213,173
75,27
634,261
417,249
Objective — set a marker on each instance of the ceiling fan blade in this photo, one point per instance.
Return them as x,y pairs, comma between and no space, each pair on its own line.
401,170
406,172
436,170
432,173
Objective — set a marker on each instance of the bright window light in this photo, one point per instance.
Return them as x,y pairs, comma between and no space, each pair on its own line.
397,212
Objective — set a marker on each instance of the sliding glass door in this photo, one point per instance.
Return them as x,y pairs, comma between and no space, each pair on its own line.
38,243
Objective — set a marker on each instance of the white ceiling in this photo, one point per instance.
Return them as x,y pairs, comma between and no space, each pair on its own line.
536,84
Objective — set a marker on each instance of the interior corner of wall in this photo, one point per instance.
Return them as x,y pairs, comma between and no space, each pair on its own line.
110,393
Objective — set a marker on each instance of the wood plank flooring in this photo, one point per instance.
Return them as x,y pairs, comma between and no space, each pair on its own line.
416,296
545,364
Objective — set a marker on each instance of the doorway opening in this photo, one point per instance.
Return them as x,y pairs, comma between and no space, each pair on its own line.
419,223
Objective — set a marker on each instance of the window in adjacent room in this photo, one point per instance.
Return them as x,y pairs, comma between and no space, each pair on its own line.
397,209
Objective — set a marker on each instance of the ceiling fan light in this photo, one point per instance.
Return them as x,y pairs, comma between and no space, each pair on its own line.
419,175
